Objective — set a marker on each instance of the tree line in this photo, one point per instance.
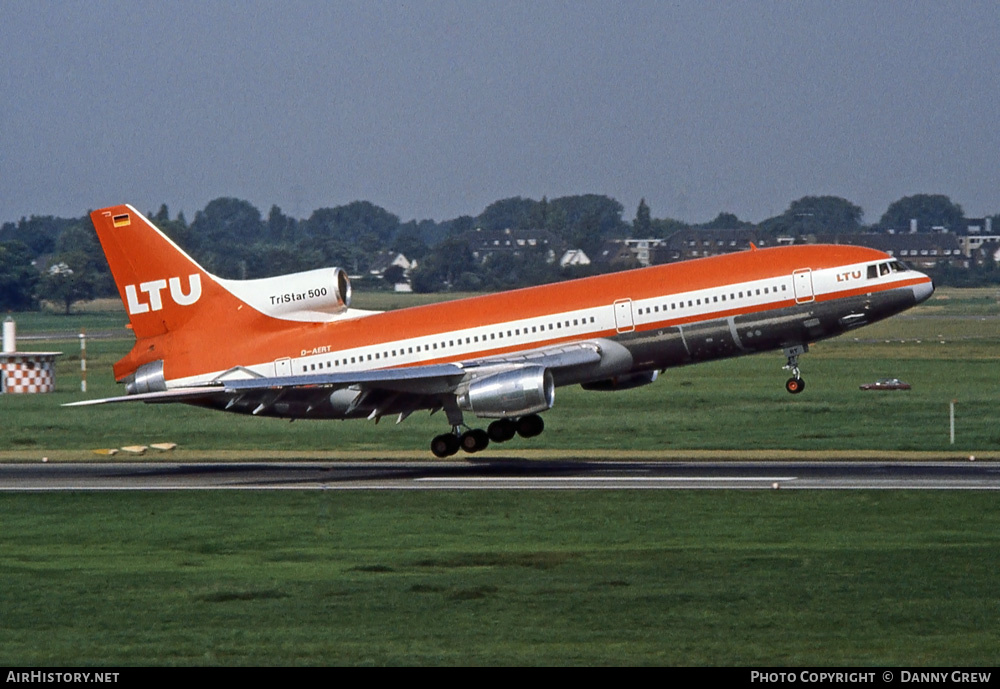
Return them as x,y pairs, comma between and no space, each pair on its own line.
59,259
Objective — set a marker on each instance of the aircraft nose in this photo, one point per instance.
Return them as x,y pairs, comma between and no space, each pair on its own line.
923,290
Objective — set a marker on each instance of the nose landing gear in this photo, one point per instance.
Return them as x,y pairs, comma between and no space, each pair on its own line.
795,384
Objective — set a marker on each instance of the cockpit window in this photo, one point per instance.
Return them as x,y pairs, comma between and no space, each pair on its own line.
894,266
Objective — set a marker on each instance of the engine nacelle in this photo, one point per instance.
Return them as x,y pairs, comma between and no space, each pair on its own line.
510,393
626,382
308,295
147,378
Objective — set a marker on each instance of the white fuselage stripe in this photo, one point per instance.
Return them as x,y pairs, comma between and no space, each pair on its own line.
496,339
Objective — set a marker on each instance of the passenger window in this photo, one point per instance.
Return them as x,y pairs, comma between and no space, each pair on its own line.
883,268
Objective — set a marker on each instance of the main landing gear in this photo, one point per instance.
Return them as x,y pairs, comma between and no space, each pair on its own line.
476,439
795,384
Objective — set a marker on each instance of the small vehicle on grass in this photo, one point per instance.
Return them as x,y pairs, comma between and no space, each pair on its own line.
886,384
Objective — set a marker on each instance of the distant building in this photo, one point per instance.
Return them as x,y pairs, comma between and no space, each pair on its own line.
482,243
615,254
979,237
574,257
917,249
389,259
684,245
643,249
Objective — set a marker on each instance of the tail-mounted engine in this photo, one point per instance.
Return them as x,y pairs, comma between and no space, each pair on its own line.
510,394
147,378
307,296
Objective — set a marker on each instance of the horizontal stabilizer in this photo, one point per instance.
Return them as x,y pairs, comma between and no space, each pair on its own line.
175,395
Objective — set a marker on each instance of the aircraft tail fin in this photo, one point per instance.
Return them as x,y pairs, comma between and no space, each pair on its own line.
161,287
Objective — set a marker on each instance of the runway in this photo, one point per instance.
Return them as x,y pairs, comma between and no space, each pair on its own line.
501,474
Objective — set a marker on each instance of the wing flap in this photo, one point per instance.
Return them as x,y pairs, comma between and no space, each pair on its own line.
429,379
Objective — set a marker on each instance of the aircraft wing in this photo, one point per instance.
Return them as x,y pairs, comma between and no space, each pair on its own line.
430,378
407,388
427,377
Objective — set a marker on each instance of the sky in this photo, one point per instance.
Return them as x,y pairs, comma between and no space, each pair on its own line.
435,109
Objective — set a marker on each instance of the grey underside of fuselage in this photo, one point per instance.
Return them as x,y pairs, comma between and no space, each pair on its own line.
733,336
628,352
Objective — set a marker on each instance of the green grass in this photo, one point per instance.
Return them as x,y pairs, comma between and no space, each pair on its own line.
505,578
736,404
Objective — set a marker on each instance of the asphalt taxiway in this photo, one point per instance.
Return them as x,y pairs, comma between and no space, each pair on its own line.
497,473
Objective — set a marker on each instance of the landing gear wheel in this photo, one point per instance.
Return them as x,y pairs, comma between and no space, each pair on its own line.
529,426
444,445
474,440
501,430
795,385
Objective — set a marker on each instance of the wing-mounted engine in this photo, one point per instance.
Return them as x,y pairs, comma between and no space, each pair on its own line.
511,393
312,295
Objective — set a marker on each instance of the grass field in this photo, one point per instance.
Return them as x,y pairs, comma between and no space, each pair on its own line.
539,578
501,578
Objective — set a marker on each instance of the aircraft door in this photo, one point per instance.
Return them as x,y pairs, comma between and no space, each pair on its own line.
623,316
803,284
283,367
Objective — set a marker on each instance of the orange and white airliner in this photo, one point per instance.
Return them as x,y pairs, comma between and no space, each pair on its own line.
291,346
